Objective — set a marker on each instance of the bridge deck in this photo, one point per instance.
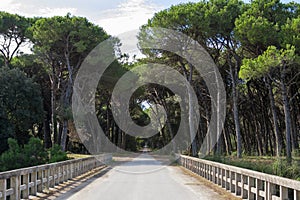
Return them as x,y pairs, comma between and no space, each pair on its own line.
143,178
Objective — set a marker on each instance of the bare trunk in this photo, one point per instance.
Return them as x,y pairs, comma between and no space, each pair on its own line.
191,120
67,99
53,106
236,112
258,137
123,139
47,133
63,142
119,137
275,119
66,103
295,144
227,147
287,115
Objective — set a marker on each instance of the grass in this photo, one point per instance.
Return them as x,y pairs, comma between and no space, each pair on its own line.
77,156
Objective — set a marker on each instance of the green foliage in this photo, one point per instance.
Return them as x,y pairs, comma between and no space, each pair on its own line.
56,154
279,167
73,35
31,154
265,23
13,158
34,152
13,32
271,58
20,105
290,33
282,168
255,29
131,144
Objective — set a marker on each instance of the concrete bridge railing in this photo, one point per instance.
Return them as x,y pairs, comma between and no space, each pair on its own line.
20,183
244,183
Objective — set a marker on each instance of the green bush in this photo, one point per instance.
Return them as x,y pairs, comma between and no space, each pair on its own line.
279,167
35,153
282,168
56,154
31,154
13,158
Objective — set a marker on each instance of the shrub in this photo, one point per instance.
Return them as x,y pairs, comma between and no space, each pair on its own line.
35,153
12,158
282,168
31,154
56,154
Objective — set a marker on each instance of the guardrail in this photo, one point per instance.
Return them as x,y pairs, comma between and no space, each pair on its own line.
20,183
244,183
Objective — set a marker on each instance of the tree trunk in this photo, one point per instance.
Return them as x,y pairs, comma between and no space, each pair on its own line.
66,104
47,133
191,120
233,74
53,106
295,144
64,133
275,119
287,115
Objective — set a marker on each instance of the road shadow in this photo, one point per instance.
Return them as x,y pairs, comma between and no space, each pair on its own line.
67,189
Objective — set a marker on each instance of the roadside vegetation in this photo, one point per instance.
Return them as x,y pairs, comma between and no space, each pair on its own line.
265,164
30,154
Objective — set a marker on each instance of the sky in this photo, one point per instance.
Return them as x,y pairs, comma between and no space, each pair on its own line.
115,16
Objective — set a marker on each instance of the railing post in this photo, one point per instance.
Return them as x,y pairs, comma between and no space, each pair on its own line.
71,171
226,182
3,189
284,193
50,177
67,170
250,184
40,174
33,179
232,178
15,185
47,176
296,195
64,173
271,190
59,172
213,174
218,176
222,179
238,179
25,193
70,167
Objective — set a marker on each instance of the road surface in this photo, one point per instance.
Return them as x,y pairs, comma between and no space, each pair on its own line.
143,178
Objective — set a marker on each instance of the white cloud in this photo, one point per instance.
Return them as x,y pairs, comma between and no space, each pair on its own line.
126,19
10,6
127,16
117,18
29,9
49,12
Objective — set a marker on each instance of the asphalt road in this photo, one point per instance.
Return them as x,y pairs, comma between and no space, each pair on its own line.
143,178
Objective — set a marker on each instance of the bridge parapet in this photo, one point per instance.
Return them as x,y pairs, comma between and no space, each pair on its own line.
20,183
244,183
